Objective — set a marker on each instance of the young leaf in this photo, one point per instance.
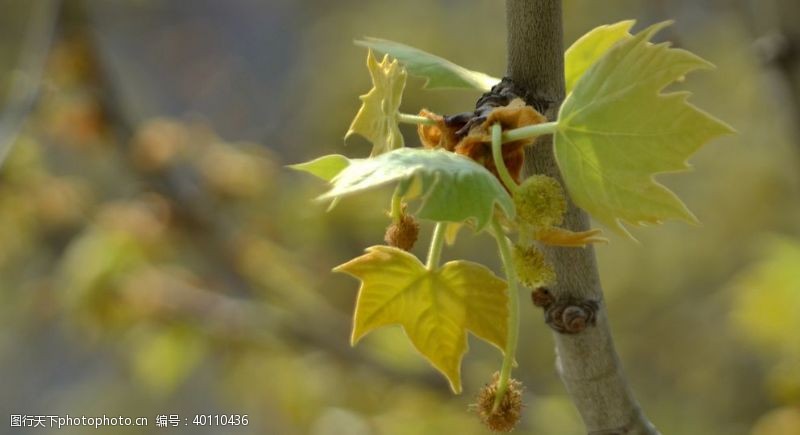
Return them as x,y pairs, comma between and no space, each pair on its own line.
434,307
616,130
376,120
325,167
438,72
590,47
452,188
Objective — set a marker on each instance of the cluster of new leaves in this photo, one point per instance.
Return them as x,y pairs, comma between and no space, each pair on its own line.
615,131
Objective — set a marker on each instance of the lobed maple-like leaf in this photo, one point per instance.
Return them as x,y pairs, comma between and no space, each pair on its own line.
452,188
616,130
435,308
438,72
376,120
591,47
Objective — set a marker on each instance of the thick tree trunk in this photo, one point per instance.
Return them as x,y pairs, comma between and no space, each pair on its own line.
586,361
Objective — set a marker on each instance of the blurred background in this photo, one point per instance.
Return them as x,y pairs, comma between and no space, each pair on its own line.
156,257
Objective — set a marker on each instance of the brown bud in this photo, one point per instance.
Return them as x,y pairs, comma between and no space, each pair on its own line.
402,234
508,414
571,317
542,297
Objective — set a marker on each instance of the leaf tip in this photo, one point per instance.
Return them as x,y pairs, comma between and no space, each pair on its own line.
355,336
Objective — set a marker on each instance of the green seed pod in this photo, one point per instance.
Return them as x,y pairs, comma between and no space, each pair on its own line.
533,270
540,202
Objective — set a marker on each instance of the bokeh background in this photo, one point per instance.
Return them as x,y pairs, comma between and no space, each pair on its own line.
156,257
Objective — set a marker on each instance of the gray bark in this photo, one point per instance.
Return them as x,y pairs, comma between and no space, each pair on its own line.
587,361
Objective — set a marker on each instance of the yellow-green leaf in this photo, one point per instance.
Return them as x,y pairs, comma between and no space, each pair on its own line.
590,47
376,120
434,307
438,73
451,187
616,130
325,167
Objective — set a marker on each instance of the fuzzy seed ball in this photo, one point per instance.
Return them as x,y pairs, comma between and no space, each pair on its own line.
402,234
508,413
532,268
540,202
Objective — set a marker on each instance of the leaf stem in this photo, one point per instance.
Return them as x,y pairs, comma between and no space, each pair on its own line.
406,118
397,205
530,131
435,251
499,162
504,246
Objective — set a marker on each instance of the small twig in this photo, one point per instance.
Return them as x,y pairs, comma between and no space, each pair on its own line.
27,81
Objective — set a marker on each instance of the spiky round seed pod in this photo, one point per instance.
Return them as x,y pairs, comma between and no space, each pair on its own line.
540,202
508,413
403,233
532,268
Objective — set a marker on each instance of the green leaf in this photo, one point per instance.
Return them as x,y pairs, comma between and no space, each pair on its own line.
376,120
434,307
616,130
438,72
452,188
325,167
590,47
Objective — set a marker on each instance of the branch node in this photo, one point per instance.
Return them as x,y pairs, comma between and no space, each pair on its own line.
569,315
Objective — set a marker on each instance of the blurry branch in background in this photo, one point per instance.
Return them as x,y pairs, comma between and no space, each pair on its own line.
157,294
216,195
27,79
773,23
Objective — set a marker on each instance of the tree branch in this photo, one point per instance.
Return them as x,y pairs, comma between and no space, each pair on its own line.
586,361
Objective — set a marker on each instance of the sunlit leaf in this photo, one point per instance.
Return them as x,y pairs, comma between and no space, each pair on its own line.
434,307
438,72
451,187
616,130
376,120
590,47
325,167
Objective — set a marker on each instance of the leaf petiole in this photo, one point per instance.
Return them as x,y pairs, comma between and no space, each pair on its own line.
406,118
435,251
397,205
530,131
504,246
499,163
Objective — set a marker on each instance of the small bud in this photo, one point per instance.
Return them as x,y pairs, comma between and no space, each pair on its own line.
403,233
542,297
532,268
572,317
540,202
508,414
